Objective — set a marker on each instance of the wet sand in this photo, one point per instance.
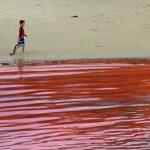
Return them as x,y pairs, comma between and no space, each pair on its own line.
75,105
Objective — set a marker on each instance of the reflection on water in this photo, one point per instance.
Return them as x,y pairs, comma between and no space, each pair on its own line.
72,106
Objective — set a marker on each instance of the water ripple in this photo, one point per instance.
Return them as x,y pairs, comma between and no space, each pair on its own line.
75,106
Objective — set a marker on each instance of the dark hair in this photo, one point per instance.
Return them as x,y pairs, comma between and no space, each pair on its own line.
21,22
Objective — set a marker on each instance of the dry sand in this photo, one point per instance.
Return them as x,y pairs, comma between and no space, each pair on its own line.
104,28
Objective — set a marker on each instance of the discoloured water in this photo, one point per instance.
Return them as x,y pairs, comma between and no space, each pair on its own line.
75,106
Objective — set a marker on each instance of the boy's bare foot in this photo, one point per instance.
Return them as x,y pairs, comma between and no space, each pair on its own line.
11,54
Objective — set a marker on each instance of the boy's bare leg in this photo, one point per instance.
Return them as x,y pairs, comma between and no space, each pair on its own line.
23,47
14,51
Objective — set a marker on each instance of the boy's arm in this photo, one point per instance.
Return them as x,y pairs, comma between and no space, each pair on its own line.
25,34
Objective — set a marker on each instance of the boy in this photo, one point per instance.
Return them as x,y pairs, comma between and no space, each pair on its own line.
21,41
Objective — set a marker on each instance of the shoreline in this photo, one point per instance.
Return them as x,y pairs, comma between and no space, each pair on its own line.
79,61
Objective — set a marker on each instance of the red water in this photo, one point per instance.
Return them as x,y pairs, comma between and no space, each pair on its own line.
75,106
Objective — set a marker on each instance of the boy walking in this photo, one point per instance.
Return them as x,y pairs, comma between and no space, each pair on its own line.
21,41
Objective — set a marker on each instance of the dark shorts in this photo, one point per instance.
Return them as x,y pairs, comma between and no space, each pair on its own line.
21,42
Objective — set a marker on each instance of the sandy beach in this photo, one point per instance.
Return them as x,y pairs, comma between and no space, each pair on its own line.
103,28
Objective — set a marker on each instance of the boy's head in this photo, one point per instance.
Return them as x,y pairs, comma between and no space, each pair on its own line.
22,22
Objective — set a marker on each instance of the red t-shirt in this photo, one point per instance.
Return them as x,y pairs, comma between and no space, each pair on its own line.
21,32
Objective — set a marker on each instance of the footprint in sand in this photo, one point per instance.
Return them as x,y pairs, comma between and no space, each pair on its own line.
147,6
94,30
99,46
107,22
146,26
37,5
